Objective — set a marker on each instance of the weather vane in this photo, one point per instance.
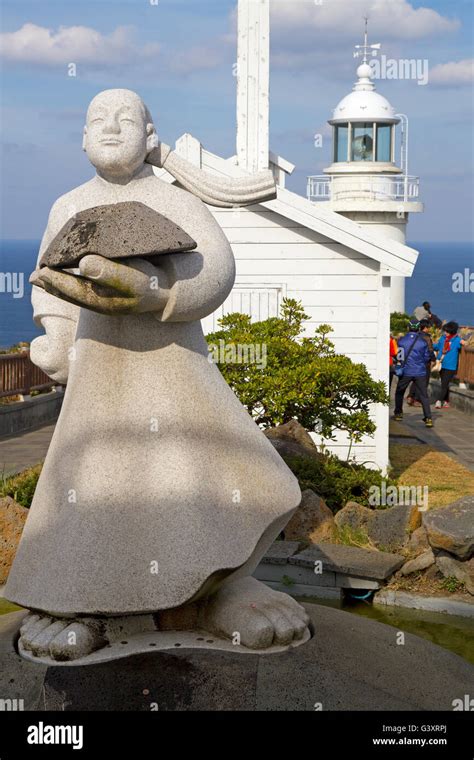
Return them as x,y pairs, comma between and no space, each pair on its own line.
366,49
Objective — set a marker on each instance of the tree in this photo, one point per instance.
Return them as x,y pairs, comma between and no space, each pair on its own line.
399,323
295,377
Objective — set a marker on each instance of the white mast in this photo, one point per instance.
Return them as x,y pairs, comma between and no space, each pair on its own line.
253,75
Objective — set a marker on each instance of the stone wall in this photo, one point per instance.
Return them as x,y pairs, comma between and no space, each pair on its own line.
32,413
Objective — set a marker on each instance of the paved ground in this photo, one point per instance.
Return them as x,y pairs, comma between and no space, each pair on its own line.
453,431
351,663
24,450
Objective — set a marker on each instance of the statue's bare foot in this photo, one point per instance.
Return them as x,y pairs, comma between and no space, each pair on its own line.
260,616
59,638
70,639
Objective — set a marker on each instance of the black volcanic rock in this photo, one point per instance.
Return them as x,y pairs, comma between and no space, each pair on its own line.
116,231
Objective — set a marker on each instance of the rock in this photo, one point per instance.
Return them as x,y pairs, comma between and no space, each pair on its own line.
12,520
349,560
432,573
388,528
391,527
115,231
280,551
292,440
422,562
462,571
418,541
354,516
313,520
451,528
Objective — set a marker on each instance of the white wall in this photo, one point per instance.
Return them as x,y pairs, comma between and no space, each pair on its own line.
276,257
389,225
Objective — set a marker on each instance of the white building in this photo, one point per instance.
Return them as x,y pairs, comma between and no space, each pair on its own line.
340,269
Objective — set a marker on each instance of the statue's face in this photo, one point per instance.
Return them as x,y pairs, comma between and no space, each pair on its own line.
116,135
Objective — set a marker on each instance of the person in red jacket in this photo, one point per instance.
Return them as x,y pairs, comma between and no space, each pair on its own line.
392,354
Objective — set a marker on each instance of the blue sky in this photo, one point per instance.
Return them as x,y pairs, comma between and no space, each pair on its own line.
178,54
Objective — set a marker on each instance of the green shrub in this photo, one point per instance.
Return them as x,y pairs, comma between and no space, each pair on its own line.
399,323
337,482
301,378
21,487
452,584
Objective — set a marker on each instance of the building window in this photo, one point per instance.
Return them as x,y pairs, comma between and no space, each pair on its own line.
384,142
340,142
362,142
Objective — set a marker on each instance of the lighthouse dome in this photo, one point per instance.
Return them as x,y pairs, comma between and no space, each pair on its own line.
364,105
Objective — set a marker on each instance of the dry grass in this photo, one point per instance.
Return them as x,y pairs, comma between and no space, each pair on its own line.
352,537
9,400
416,465
428,584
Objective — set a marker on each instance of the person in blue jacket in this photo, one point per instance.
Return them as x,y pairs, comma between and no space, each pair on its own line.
448,348
413,356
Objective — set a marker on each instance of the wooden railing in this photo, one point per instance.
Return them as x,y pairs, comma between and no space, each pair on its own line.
465,373
19,376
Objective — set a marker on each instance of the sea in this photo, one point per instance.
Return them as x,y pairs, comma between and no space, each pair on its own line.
441,276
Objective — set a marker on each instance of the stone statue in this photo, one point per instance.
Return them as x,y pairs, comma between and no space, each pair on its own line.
159,494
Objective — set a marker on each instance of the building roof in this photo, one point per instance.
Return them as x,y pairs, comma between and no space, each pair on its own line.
363,103
395,258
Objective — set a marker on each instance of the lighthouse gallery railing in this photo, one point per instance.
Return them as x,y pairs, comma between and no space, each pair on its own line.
344,187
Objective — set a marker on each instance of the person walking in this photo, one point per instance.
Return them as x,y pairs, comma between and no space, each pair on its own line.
448,348
413,355
424,330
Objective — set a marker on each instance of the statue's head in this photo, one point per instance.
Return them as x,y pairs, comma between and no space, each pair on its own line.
119,132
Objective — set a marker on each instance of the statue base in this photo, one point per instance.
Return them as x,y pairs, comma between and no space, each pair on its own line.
159,641
350,663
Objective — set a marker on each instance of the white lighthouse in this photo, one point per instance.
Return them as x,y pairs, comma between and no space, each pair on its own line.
364,182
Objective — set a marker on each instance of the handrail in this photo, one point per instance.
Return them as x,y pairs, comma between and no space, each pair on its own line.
19,376
397,187
465,370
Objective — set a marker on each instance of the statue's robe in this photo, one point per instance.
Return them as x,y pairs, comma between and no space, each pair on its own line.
157,484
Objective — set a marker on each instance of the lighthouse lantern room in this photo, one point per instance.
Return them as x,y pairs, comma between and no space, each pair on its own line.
364,182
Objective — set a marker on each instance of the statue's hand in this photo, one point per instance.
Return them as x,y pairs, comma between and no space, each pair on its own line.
108,287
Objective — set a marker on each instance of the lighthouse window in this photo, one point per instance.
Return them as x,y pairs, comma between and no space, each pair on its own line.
340,142
384,148
362,142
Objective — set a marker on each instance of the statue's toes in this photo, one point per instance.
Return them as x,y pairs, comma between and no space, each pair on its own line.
31,629
40,644
255,629
76,640
28,621
283,626
293,609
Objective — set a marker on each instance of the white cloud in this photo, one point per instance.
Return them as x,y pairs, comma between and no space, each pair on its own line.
73,44
396,19
453,74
